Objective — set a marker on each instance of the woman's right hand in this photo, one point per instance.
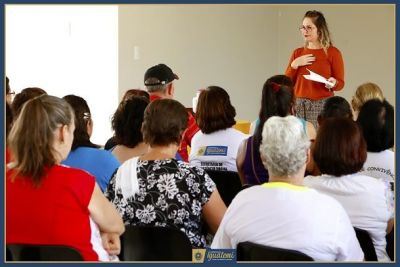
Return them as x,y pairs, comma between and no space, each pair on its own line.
302,61
111,243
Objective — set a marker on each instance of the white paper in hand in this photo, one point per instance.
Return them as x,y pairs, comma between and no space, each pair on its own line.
317,78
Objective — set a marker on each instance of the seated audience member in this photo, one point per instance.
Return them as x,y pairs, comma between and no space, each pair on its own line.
136,92
127,124
277,100
284,214
334,107
22,97
128,94
16,106
9,93
48,203
157,190
159,82
9,119
215,146
376,119
365,92
340,152
84,154
9,123
111,143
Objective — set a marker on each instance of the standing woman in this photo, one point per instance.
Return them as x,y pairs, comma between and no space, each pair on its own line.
320,56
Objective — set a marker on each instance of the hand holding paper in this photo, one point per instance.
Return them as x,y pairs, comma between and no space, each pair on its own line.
318,78
331,80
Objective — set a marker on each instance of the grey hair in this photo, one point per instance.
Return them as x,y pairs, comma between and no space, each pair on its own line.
155,88
284,146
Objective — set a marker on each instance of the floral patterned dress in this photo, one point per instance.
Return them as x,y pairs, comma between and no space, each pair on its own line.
171,193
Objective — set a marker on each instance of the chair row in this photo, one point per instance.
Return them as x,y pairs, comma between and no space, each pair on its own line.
147,243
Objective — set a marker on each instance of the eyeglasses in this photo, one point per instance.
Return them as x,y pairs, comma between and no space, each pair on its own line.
306,28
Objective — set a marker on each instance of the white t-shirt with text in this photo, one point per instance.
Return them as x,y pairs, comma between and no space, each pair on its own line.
217,150
366,201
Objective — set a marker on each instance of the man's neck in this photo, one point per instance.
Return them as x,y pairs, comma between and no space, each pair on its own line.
155,96
158,95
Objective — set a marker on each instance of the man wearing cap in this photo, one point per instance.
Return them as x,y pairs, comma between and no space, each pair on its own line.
159,83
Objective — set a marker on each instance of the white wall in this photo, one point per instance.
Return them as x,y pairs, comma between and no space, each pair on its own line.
88,50
239,46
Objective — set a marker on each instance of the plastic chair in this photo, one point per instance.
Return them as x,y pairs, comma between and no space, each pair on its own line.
228,184
27,252
151,243
9,256
248,251
366,244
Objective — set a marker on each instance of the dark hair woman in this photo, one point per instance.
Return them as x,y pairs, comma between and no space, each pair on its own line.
127,123
155,189
84,154
277,100
215,146
340,152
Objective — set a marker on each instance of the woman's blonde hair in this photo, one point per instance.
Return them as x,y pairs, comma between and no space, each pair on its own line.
324,35
32,136
365,92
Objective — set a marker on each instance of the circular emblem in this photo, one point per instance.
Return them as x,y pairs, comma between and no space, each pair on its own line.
197,256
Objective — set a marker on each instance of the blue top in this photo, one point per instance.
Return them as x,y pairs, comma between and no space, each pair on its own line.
100,163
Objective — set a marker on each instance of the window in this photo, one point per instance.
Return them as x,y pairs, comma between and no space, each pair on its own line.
66,49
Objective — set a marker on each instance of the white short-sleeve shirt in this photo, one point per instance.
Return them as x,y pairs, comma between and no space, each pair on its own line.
291,217
366,201
380,165
217,150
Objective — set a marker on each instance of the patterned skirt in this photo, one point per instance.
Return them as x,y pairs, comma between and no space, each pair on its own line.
309,109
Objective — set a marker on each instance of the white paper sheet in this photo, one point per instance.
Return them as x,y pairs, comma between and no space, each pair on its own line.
317,78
